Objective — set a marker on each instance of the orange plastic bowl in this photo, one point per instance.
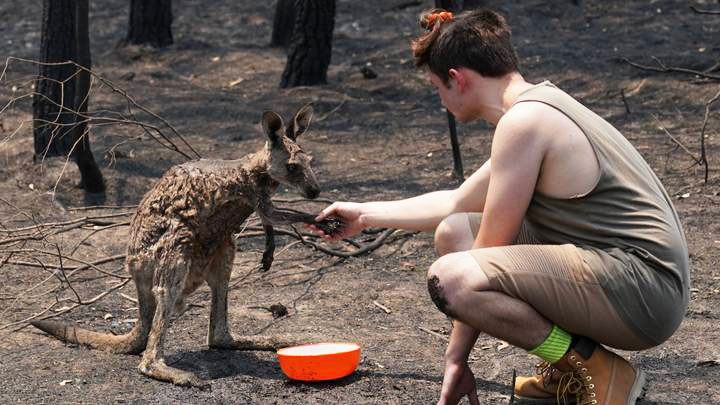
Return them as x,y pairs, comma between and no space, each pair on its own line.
320,361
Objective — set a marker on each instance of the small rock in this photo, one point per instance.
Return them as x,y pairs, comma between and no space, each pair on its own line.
278,310
368,73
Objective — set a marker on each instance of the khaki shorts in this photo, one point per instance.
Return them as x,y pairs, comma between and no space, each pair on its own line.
567,285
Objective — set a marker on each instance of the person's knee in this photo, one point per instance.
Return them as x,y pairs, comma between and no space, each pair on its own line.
443,285
453,234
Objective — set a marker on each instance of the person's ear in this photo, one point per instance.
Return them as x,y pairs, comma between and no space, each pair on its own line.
459,78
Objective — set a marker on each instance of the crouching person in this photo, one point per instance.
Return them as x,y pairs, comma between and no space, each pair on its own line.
564,243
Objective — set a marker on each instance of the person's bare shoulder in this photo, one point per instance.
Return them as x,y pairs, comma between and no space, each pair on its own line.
568,163
522,126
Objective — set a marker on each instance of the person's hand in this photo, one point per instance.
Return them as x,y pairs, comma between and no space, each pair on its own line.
348,212
458,381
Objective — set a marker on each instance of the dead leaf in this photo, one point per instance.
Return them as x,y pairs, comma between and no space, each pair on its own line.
65,382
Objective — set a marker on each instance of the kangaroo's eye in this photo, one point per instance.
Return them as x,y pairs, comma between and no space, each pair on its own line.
292,168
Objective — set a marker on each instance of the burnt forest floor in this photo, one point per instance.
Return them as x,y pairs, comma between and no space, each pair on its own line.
372,139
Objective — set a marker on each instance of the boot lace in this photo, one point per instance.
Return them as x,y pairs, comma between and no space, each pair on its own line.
545,370
582,383
569,385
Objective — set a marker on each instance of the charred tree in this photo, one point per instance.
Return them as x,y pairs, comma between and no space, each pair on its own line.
150,23
62,89
454,6
311,45
283,23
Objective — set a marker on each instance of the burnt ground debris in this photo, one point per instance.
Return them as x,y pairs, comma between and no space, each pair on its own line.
384,138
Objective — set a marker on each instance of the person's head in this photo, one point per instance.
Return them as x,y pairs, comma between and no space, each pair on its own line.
477,40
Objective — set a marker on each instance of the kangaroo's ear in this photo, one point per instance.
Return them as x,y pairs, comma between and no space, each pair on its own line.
272,124
301,121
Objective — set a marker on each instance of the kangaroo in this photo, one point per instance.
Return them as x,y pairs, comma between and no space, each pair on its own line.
182,235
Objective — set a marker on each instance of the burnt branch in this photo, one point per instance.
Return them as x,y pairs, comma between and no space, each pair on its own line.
157,129
703,154
701,11
58,250
677,142
662,68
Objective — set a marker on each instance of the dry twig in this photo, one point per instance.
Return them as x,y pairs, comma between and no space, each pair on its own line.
443,337
14,252
164,133
700,11
662,68
703,154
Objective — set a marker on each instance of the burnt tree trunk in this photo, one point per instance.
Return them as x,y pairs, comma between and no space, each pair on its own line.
454,6
283,23
311,44
150,23
62,90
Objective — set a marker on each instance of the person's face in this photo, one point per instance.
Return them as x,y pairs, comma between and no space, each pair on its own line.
450,95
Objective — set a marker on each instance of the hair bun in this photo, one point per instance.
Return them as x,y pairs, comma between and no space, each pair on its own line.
428,20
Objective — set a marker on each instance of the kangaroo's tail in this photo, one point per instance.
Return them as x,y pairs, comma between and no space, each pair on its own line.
132,343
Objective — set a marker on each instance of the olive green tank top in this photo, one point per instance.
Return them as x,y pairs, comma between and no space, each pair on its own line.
628,209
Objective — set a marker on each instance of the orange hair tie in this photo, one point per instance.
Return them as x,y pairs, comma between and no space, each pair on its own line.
443,16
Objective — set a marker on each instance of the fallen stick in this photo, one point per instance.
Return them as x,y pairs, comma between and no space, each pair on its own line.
383,307
129,298
443,337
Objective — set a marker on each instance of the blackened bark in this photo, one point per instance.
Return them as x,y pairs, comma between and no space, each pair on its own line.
283,23
150,23
311,45
455,6
61,91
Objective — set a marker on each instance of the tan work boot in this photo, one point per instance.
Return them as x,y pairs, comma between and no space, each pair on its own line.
606,378
550,386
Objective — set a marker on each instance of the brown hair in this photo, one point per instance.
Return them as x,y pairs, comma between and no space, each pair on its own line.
478,40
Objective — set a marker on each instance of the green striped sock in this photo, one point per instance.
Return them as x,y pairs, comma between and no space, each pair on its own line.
554,347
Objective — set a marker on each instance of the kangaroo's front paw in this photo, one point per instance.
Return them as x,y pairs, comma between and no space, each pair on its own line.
267,260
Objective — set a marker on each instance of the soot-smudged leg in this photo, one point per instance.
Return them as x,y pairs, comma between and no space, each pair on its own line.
218,278
167,284
141,270
219,336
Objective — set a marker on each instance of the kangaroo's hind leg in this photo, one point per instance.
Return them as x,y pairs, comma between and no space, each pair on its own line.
169,275
218,278
140,268
219,335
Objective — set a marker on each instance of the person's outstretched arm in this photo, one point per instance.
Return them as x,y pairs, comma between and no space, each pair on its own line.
421,213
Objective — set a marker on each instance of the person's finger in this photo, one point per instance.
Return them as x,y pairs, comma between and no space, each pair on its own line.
327,212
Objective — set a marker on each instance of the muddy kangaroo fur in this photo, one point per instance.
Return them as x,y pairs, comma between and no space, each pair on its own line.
182,235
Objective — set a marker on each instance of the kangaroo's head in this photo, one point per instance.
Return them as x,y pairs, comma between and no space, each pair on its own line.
288,164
